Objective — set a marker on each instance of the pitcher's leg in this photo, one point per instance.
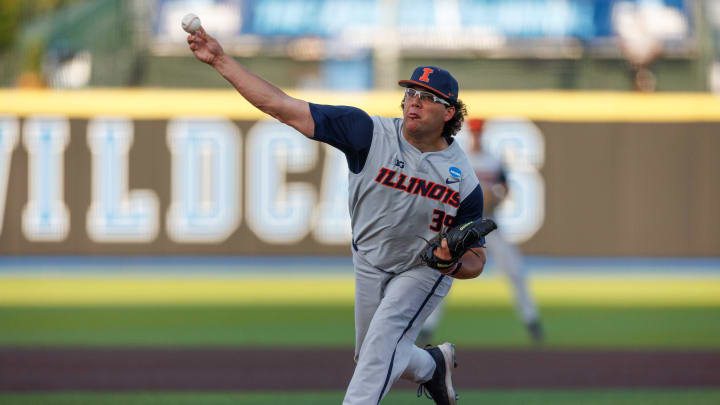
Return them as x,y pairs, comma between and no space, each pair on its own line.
420,365
388,346
431,323
369,288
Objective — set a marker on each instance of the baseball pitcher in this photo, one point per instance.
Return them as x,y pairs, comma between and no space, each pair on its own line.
416,209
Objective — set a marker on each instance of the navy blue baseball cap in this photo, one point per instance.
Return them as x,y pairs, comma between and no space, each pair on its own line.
435,79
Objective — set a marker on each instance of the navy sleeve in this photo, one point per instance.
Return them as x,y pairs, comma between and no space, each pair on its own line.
471,208
349,129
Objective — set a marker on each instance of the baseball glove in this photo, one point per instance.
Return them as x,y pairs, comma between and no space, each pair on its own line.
459,240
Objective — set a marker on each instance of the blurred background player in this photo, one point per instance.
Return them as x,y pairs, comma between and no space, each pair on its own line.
506,256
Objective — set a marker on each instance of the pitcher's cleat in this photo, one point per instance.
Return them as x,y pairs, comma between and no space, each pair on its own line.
439,387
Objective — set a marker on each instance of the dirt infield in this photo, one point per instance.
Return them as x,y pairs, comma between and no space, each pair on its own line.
314,369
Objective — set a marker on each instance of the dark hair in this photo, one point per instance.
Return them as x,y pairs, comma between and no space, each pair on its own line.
453,126
455,123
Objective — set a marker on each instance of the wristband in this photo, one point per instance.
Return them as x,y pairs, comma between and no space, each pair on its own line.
457,268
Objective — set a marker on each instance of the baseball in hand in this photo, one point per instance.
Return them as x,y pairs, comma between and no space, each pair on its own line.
191,23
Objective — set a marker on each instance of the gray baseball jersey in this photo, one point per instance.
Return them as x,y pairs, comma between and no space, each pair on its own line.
396,193
402,193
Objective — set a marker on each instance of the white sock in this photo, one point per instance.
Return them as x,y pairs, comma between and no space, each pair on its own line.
420,367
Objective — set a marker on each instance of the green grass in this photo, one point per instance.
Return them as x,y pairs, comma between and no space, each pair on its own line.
179,326
641,328
585,397
332,326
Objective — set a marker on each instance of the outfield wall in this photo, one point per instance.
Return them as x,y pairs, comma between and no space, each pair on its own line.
202,172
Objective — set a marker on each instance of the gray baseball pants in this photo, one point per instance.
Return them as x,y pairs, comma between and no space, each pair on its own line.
390,310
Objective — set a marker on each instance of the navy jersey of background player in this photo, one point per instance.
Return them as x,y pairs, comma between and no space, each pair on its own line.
390,178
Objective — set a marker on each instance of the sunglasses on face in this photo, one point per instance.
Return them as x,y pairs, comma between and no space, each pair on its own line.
424,96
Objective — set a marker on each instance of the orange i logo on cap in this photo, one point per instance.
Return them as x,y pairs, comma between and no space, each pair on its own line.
426,75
